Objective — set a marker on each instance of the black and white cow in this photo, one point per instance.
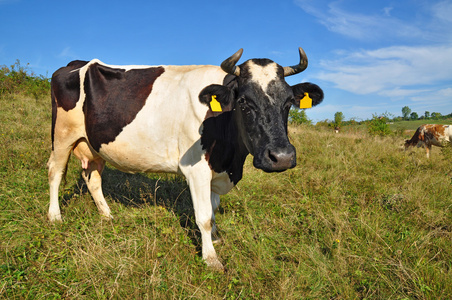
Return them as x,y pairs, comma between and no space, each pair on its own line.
198,121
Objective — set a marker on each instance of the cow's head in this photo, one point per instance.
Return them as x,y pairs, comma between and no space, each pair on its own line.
260,99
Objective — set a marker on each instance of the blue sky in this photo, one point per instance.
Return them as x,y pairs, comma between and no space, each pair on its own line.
370,57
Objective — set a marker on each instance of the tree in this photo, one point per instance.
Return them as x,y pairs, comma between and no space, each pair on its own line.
414,116
298,116
406,112
427,114
338,118
436,115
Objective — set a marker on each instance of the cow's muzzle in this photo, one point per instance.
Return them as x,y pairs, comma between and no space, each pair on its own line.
276,159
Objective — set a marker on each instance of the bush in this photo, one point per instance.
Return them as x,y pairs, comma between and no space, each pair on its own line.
20,80
378,125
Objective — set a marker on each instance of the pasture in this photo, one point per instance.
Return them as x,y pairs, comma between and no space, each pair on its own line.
413,125
356,219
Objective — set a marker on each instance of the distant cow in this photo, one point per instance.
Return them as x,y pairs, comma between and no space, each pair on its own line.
197,121
430,134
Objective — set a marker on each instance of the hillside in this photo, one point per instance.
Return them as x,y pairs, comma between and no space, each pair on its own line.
356,219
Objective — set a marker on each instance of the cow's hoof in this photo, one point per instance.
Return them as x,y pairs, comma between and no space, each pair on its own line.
216,239
215,264
106,217
55,218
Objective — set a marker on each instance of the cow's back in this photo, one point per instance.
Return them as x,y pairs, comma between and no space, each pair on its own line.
138,118
436,134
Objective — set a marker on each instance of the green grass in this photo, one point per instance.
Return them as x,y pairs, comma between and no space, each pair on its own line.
356,219
404,129
413,125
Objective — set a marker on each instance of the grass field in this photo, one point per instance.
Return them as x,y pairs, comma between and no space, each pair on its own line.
413,125
404,129
356,219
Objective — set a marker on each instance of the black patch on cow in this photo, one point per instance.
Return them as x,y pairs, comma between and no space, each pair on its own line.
66,85
314,91
65,89
223,150
113,99
429,137
230,81
217,139
223,94
414,139
262,62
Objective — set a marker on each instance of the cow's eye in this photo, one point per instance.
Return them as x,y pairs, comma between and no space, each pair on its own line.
247,104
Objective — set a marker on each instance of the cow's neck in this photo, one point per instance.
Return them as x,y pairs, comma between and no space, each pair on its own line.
225,150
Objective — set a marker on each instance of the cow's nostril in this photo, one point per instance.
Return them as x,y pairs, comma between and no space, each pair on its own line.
281,159
272,157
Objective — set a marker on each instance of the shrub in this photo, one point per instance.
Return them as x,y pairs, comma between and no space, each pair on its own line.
378,125
20,80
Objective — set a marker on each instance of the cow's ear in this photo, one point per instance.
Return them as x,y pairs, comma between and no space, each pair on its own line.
307,95
217,97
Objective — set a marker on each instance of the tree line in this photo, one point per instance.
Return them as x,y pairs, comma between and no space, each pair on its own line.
407,115
298,116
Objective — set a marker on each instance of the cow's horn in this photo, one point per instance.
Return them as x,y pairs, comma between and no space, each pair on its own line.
297,68
229,64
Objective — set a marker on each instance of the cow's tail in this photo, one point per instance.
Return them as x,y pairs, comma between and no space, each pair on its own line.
64,179
54,115
54,112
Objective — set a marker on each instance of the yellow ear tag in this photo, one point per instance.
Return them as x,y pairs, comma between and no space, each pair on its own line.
214,104
306,102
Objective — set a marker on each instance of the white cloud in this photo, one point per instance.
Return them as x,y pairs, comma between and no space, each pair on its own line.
358,25
443,11
387,11
67,53
398,93
400,69
412,64
444,95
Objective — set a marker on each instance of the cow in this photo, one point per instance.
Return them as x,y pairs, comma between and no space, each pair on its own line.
430,134
200,121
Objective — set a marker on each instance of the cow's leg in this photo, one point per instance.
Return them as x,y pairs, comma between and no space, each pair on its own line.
57,167
215,200
93,179
93,166
427,148
199,179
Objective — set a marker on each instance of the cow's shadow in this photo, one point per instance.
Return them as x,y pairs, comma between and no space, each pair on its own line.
138,190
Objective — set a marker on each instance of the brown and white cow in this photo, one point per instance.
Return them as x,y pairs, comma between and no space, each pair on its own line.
197,121
430,134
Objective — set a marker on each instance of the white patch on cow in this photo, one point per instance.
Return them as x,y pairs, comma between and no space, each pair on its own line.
82,75
221,184
263,75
